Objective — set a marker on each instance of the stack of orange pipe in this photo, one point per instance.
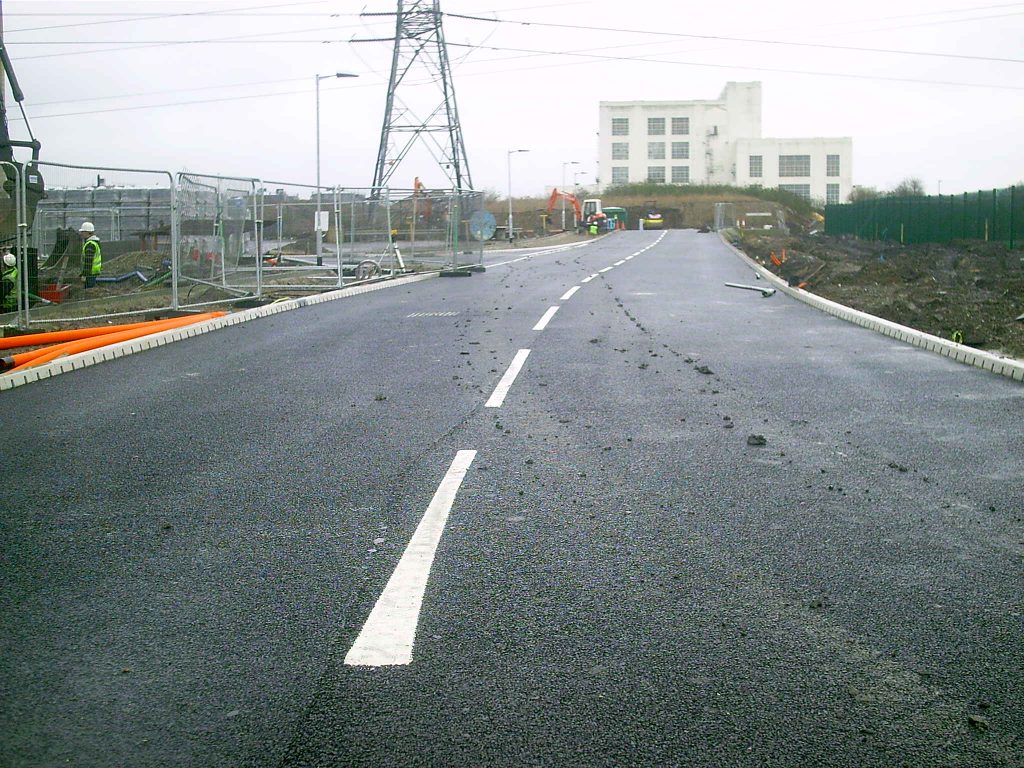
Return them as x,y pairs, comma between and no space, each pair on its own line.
71,342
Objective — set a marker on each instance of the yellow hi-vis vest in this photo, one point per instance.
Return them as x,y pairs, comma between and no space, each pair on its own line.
92,245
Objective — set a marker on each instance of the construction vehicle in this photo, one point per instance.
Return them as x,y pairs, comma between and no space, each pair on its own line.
571,198
591,209
33,187
651,217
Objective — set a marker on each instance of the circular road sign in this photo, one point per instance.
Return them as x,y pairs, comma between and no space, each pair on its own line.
481,225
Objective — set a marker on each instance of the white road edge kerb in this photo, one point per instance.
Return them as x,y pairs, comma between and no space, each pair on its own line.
85,359
1003,366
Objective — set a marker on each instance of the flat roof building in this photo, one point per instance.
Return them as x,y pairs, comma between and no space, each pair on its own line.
716,142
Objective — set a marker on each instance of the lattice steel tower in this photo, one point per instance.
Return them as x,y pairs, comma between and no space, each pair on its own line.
420,47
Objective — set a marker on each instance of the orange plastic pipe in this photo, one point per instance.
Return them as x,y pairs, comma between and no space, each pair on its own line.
84,345
8,363
72,334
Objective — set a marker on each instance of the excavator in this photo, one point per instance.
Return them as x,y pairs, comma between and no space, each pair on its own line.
571,198
33,184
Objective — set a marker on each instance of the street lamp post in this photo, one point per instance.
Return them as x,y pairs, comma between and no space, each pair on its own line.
570,162
509,158
319,233
576,191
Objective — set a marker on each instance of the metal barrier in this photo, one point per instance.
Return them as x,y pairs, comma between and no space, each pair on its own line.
989,215
185,240
13,235
219,239
132,211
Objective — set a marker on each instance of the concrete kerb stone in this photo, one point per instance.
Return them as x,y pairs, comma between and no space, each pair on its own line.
85,359
1010,368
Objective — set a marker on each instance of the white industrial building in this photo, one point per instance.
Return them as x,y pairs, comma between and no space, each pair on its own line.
717,142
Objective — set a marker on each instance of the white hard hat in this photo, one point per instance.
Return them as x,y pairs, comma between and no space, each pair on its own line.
87,226
9,260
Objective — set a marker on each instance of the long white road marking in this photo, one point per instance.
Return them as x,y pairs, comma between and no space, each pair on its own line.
389,632
545,319
498,396
568,294
605,269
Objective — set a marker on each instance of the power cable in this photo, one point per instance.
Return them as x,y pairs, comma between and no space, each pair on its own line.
644,59
723,38
138,45
150,17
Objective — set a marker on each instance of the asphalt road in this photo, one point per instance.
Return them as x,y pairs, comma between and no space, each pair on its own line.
193,538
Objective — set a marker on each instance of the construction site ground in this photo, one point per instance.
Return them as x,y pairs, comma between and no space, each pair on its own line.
972,292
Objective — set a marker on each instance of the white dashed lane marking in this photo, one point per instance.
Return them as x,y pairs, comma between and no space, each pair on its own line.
545,319
387,636
500,391
568,294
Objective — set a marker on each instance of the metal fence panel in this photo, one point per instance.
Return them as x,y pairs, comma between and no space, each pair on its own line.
995,215
218,239
132,211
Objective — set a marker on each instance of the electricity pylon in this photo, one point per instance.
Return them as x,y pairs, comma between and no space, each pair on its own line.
420,46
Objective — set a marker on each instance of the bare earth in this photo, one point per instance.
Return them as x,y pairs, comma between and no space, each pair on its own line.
969,291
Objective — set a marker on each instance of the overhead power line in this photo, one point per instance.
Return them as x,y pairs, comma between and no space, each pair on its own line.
150,17
818,73
758,41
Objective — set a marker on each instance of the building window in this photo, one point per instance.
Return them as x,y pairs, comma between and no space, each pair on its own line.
656,174
620,174
680,150
803,190
620,150
680,174
831,165
620,126
756,166
794,165
655,150
680,126
655,126
831,194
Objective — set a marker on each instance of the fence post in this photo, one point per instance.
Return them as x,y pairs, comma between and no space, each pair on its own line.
963,220
257,231
21,240
995,209
175,237
1013,196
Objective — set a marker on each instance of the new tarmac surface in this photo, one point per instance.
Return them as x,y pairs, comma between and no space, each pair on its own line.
690,526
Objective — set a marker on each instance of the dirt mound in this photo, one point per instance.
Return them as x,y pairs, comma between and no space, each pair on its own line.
970,292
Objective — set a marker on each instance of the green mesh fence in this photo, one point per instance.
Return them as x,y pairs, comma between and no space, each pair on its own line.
995,215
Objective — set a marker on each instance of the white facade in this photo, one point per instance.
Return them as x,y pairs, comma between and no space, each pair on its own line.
819,169
712,142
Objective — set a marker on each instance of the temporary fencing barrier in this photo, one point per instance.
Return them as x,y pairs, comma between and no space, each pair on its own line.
219,239
132,211
183,240
995,215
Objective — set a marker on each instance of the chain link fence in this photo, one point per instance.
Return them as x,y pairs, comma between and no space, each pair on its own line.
995,215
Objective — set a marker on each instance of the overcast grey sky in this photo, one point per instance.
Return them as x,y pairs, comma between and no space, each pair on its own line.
940,97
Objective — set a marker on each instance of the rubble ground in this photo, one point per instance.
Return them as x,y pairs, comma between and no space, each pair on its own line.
967,291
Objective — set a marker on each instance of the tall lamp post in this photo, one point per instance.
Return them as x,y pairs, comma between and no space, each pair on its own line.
570,162
509,158
319,233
